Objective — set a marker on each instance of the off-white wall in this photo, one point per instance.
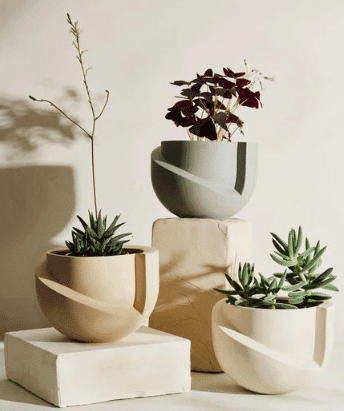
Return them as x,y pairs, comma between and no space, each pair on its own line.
135,49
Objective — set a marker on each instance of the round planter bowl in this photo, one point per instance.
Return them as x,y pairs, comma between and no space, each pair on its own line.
204,179
272,351
98,299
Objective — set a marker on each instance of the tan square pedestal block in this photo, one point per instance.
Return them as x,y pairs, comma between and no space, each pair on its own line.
65,372
194,253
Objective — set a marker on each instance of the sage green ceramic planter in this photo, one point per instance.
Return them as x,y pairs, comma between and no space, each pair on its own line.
204,179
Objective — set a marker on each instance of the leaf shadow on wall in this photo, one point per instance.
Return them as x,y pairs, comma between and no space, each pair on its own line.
36,204
25,126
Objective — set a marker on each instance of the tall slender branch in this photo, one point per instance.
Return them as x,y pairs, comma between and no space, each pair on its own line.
75,30
62,112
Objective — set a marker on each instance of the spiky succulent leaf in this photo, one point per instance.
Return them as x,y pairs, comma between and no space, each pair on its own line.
96,239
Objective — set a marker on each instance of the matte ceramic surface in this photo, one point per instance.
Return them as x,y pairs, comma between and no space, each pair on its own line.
204,179
272,351
98,299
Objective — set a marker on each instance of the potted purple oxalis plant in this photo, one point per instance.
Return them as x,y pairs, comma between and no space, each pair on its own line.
209,180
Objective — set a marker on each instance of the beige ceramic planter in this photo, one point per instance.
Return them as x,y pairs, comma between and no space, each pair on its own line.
98,299
272,351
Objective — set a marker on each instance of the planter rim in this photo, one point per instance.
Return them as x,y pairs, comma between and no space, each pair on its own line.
138,249
223,302
208,142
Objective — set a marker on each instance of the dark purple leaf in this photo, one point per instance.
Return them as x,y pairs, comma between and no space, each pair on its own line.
189,93
228,72
232,118
201,102
186,121
242,82
189,111
226,83
220,118
180,83
218,91
208,96
183,103
219,105
248,98
174,115
210,80
204,128
236,75
196,87
208,73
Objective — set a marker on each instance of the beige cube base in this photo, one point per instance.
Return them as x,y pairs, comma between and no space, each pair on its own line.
194,253
65,373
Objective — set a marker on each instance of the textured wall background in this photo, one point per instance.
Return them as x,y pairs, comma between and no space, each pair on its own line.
135,49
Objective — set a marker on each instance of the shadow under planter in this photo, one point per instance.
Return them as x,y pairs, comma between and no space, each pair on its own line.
204,179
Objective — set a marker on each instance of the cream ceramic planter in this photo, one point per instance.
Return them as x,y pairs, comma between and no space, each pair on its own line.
272,351
98,299
204,179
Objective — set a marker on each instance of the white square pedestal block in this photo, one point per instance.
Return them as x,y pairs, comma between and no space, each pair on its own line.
194,253
64,372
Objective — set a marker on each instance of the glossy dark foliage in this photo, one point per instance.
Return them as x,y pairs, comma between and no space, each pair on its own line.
202,96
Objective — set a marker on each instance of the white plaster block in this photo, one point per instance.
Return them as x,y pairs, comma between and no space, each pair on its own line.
194,254
65,373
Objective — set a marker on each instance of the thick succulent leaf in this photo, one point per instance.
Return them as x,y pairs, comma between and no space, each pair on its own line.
92,220
264,279
285,306
291,245
79,232
296,301
273,285
313,303
241,303
298,241
280,241
325,274
330,287
316,284
315,259
295,294
320,296
112,228
282,262
233,283
294,286
306,253
281,282
120,236
278,247
231,299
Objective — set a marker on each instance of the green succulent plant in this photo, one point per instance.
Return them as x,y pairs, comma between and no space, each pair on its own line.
97,239
302,290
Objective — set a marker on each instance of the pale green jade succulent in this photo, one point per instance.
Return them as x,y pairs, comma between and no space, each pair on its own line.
299,279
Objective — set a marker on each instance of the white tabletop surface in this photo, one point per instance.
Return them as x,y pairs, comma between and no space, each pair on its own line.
209,392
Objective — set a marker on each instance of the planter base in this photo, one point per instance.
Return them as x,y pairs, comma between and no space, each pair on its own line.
194,253
66,373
